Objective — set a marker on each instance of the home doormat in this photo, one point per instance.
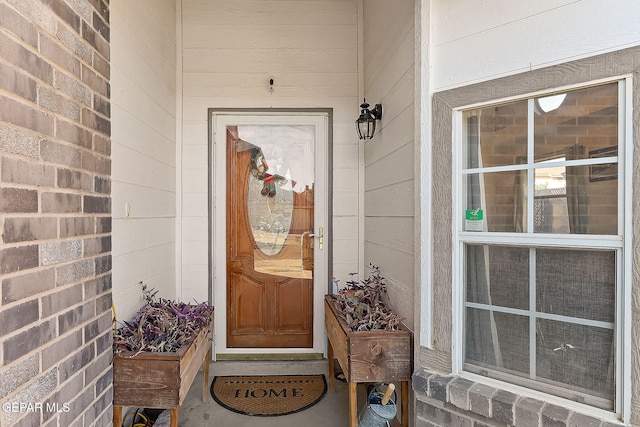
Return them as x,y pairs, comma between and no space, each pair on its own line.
269,395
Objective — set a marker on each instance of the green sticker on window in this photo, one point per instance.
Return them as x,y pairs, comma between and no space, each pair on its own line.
473,220
474,215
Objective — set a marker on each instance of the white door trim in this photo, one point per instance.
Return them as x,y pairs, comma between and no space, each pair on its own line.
220,120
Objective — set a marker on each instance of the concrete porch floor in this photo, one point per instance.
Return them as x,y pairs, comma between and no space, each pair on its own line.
331,411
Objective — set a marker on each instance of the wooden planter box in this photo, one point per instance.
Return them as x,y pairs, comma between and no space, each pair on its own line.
160,380
371,356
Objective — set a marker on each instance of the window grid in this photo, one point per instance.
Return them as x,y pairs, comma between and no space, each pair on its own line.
533,318
539,165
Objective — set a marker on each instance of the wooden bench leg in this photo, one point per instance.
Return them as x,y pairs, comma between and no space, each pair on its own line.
404,405
117,416
205,386
353,404
332,368
174,417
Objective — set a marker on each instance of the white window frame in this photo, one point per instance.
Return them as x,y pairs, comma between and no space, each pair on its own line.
620,243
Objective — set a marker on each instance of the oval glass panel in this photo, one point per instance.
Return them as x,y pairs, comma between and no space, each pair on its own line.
270,209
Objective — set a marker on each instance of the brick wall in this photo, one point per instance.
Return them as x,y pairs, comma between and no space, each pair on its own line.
443,401
55,221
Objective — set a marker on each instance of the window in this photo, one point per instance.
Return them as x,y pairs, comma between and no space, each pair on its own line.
540,236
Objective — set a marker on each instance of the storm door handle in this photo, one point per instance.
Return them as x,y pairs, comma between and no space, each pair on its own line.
319,236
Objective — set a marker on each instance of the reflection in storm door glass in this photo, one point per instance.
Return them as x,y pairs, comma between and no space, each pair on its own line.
280,197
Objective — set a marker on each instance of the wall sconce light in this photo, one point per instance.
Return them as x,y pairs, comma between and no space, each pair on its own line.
366,123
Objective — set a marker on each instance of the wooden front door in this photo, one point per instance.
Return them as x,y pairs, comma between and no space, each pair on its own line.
269,236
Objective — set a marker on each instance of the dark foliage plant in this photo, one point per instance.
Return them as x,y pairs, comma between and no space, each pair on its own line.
161,325
362,305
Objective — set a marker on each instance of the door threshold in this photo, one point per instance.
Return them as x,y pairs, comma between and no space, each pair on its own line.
269,356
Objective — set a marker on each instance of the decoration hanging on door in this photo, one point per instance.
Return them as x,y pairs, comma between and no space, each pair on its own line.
259,168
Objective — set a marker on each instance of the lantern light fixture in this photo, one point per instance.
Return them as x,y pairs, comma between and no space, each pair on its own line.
366,123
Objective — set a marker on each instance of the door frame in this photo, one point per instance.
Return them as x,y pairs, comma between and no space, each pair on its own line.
218,119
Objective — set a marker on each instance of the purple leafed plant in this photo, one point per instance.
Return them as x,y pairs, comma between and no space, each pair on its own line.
161,325
362,306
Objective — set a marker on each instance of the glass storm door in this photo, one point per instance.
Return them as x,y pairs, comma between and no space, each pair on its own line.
272,234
